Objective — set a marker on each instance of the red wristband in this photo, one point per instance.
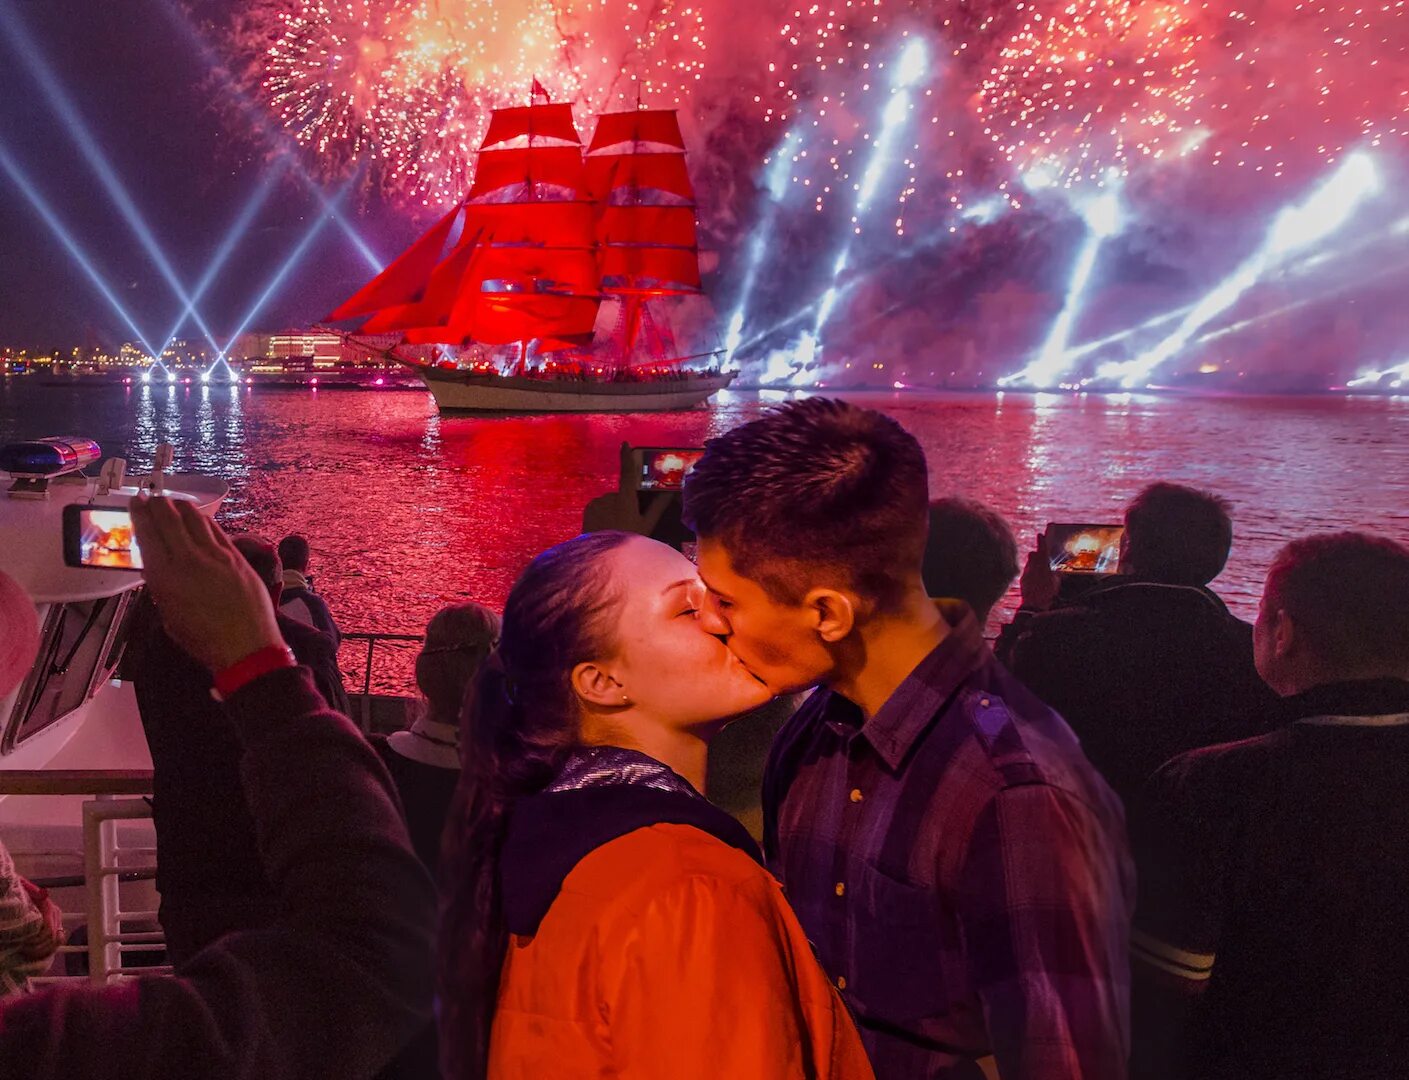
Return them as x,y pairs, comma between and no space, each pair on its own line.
260,662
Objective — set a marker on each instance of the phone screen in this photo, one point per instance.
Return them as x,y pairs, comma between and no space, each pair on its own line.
664,470
1084,549
100,537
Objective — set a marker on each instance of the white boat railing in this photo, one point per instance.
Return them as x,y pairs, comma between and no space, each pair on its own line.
117,936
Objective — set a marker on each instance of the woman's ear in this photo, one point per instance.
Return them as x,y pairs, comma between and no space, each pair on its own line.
833,613
597,686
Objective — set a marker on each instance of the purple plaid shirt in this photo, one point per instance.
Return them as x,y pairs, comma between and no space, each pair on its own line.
961,871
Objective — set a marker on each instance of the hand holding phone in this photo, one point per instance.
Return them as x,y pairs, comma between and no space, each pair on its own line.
211,601
1039,584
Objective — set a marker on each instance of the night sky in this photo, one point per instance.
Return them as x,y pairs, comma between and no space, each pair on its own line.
167,125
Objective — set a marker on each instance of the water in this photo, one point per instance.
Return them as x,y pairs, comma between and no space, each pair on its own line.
408,510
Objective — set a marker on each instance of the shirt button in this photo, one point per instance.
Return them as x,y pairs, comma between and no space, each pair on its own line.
841,982
856,794
841,888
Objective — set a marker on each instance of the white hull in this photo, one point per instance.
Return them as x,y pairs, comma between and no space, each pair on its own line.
464,391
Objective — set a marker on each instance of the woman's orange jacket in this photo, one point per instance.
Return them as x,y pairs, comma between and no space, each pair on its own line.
670,954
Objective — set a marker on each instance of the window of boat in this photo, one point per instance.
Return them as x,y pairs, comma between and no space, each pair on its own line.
80,646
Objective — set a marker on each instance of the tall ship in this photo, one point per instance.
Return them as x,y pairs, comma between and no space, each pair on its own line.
564,281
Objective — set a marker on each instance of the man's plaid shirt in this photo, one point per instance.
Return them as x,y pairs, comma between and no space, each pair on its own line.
26,941
961,871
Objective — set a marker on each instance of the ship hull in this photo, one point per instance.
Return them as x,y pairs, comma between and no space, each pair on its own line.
461,391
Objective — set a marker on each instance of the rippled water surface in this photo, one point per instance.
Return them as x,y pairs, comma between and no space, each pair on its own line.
408,510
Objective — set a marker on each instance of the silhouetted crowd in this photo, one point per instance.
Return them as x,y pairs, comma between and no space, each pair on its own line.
1134,836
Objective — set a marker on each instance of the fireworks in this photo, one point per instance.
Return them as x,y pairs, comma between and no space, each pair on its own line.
1084,86
406,86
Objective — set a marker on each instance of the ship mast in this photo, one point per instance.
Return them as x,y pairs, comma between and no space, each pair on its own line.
646,229
523,269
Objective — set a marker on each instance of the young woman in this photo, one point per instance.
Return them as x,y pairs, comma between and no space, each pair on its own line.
601,918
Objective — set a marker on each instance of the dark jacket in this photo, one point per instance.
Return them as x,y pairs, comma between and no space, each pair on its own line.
331,988
306,606
1142,672
209,869
426,794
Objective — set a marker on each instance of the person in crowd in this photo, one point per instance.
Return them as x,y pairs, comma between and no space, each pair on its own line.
1150,662
970,554
341,976
602,918
209,869
424,760
31,929
959,866
1272,935
298,600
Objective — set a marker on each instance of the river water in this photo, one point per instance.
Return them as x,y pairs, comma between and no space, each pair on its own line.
408,510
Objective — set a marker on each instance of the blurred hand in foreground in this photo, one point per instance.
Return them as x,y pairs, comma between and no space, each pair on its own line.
1039,583
211,601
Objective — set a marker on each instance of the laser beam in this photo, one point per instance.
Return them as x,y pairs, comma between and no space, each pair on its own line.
1297,227
1103,218
276,137
310,234
30,191
776,180
33,59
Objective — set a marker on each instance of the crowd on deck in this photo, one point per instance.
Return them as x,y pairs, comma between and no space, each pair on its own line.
1132,837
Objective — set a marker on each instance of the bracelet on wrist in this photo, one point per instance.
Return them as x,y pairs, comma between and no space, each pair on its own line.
242,672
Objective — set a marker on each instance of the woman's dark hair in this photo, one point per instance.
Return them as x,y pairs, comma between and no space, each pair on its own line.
520,720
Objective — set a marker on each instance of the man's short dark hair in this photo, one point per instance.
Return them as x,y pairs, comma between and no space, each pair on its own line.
1348,594
1178,535
815,485
293,552
971,553
263,556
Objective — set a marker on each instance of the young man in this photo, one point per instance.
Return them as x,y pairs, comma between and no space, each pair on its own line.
1272,936
957,863
1149,662
971,554
297,599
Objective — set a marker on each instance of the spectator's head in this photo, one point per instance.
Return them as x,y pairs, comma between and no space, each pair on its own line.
458,640
1176,535
264,557
293,552
811,523
971,554
600,644
1335,608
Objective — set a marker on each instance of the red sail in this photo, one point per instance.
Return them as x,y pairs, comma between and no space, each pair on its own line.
555,224
405,280
528,268
641,126
654,172
534,121
649,270
669,226
558,165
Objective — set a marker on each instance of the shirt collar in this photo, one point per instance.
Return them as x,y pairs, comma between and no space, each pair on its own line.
1363,697
907,713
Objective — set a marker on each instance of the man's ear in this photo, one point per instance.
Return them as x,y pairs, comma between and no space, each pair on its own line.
833,613
597,686
1284,634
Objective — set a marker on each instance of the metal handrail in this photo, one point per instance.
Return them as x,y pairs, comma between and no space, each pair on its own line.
365,704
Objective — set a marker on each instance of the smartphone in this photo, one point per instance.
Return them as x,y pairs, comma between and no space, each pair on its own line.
664,468
1084,549
100,537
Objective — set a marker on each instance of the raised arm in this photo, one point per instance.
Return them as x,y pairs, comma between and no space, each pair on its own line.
344,977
